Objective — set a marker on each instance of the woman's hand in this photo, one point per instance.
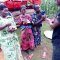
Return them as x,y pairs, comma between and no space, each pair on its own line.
32,22
25,22
11,30
43,17
7,25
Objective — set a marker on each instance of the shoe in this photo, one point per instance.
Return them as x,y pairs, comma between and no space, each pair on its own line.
44,55
30,56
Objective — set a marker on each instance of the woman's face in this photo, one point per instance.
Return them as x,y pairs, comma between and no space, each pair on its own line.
37,9
23,10
5,10
3,13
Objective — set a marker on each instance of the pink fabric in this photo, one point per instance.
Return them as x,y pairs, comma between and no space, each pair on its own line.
27,36
27,16
27,39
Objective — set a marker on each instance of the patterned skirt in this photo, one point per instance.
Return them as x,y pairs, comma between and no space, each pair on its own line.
27,39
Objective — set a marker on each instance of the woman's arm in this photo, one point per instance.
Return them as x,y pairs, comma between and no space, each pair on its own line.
41,20
53,22
11,30
2,27
19,23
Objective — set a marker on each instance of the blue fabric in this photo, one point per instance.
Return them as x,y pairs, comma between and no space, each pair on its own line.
37,36
23,27
36,18
37,33
9,13
56,31
56,52
58,16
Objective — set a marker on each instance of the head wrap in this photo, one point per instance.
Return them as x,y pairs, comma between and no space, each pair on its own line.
2,6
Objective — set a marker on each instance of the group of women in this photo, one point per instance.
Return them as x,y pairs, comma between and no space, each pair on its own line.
30,31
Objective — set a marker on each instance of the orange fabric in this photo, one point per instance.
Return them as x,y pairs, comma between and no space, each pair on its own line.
35,1
30,1
16,4
11,4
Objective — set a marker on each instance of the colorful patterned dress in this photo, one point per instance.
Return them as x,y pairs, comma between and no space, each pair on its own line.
26,33
37,27
9,41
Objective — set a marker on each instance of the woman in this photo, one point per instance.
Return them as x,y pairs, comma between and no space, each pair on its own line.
38,17
26,32
8,38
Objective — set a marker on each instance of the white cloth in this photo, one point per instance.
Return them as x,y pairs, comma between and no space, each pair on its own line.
48,33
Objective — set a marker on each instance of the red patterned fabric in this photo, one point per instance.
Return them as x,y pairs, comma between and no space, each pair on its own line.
12,4
35,1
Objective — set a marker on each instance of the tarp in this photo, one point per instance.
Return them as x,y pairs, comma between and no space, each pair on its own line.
32,1
36,1
13,4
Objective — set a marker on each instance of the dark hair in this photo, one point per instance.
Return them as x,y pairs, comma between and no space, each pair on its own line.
2,6
35,6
